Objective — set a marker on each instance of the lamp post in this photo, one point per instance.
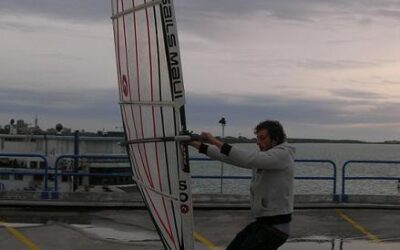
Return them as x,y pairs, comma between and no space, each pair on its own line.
13,128
222,121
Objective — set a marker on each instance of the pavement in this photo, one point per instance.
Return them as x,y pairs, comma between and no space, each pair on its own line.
50,228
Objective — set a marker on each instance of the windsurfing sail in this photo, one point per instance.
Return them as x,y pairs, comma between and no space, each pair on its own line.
152,102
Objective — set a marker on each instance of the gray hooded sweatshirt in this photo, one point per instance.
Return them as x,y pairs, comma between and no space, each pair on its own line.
271,189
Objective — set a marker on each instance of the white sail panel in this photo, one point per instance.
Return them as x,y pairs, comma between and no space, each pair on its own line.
152,107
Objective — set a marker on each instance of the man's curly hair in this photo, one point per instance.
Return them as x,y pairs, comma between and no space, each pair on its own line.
274,128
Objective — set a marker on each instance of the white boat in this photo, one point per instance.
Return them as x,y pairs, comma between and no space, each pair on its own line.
24,159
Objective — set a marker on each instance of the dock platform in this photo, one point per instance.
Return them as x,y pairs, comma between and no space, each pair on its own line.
77,228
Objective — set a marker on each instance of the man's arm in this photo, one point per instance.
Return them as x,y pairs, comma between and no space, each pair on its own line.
209,138
212,147
217,150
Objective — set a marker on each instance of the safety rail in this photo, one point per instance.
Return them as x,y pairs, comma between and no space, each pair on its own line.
46,166
125,174
344,177
46,171
88,157
333,178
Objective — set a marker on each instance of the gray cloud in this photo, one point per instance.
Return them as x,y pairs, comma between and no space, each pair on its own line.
23,27
304,10
334,65
202,22
89,10
356,94
100,103
241,111
395,14
391,82
299,110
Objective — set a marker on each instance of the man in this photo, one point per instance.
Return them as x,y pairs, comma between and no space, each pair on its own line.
271,188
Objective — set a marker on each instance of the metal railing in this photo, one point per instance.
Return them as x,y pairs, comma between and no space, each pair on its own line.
29,156
344,177
332,177
46,171
88,157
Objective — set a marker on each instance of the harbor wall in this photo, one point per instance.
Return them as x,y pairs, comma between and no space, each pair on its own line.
223,201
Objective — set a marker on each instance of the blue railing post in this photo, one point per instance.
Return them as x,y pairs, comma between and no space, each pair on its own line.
56,174
76,161
343,196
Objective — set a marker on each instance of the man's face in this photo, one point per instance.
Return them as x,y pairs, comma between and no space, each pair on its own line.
264,142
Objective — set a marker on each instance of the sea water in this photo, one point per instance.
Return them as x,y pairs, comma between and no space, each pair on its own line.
339,153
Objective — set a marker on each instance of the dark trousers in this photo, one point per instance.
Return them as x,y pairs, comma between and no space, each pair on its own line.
258,235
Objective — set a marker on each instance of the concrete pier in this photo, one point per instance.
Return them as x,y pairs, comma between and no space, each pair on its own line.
104,229
108,220
134,200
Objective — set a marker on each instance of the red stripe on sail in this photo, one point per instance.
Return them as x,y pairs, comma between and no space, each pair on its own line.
146,166
118,60
153,115
169,232
148,175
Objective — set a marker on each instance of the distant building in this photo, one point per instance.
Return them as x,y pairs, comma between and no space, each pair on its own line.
22,126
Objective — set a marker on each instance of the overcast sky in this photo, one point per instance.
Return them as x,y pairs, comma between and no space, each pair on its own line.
325,68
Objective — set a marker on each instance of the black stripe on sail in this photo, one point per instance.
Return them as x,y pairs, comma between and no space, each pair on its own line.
160,93
186,167
178,125
171,202
160,88
155,30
